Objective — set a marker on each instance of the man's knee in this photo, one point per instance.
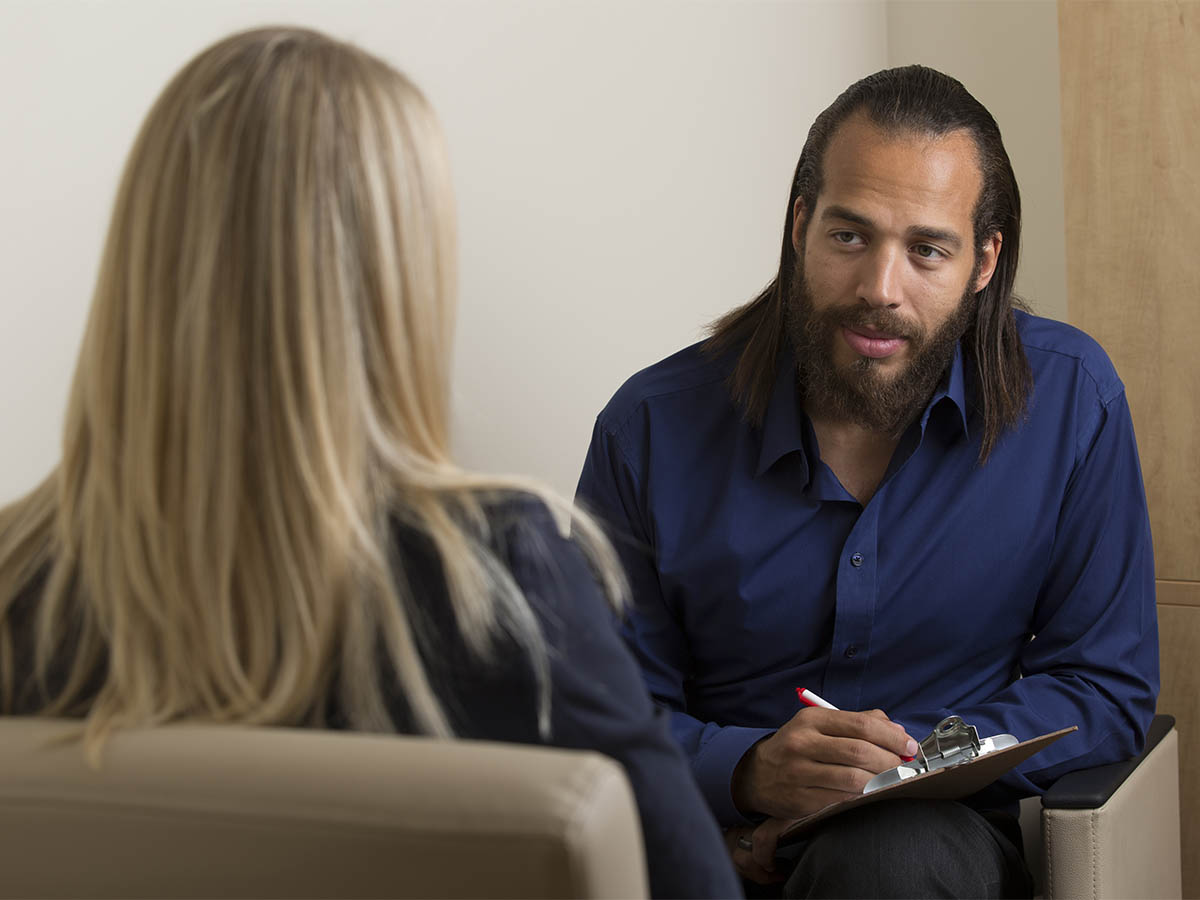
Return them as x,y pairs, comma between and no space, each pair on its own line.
908,848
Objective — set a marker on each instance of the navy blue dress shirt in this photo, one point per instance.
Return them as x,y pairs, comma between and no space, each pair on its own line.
1019,594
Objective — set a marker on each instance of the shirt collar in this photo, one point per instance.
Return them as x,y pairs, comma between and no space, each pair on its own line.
784,424
953,388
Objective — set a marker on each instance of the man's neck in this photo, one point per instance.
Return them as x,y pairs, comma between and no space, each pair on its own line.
858,456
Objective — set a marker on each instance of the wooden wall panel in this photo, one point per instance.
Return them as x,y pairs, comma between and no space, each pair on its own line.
1130,91
1179,638
1131,175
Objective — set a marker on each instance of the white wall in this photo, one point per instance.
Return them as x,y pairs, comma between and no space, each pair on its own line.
1006,53
622,171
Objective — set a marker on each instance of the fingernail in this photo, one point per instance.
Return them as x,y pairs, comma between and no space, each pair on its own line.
911,747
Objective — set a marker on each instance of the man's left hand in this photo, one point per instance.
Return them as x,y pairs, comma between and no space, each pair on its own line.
757,864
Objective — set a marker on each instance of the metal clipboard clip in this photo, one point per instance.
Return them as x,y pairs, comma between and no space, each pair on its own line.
951,743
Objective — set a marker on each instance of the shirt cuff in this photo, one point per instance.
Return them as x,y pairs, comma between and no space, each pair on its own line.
714,765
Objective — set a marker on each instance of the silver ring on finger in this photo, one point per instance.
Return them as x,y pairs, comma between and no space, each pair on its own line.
745,843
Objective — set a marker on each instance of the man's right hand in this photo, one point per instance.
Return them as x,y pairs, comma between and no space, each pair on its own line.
821,756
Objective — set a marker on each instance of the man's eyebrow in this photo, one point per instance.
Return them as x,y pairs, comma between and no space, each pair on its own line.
925,232
847,215
938,235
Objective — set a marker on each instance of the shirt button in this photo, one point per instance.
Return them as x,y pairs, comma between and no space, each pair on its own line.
851,651
856,560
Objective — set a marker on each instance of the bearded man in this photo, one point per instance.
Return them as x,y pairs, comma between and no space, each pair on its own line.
884,480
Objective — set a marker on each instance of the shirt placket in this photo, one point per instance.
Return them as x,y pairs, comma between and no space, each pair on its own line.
854,612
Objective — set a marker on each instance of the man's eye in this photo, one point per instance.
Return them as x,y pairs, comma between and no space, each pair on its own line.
925,251
845,237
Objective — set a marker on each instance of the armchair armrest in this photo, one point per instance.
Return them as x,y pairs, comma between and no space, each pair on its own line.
1092,788
1113,831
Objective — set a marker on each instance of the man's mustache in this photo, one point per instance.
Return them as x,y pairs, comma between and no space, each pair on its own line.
884,321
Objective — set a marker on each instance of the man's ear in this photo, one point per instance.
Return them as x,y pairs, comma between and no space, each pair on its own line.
988,257
799,223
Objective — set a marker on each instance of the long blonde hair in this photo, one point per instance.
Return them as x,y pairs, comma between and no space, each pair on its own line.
262,389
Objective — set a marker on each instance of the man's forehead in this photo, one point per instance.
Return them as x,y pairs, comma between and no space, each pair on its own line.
903,169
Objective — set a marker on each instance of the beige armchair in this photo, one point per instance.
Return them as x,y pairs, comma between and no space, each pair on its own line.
1111,831
224,811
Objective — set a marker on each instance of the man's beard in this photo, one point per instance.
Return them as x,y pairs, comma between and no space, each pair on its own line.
860,393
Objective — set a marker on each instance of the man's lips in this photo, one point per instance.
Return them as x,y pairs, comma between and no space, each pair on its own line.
874,344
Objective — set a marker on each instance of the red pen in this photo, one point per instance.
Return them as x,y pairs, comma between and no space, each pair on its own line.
808,698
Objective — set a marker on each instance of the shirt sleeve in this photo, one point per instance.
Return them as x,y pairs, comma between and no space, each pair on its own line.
609,488
598,702
1093,657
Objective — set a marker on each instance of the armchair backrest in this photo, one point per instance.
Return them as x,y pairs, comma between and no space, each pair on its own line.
222,810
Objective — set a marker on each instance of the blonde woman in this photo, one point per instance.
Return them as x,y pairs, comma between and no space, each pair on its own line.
256,518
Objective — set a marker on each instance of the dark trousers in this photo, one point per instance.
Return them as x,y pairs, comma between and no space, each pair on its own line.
910,849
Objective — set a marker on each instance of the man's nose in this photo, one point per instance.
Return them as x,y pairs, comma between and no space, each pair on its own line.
880,278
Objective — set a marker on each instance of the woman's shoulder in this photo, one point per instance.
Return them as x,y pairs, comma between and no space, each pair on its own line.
490,515
514,514
532,538
21,608
20,623
516,528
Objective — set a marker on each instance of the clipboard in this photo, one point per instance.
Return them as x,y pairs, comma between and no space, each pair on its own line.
949,783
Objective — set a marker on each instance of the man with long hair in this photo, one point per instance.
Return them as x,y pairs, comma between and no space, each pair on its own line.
885,480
